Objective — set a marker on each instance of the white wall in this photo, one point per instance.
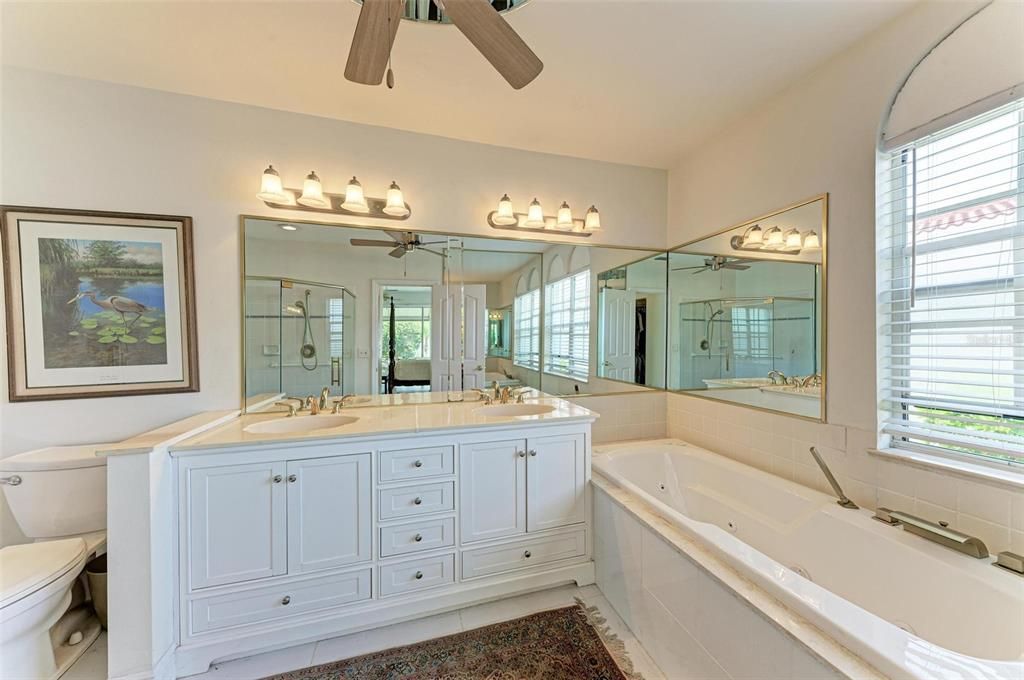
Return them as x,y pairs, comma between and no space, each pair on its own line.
821,135
73,143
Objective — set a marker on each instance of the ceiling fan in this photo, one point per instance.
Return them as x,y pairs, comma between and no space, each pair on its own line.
402,243
717,263
370,54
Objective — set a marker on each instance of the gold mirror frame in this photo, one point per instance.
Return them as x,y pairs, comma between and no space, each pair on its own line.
823,236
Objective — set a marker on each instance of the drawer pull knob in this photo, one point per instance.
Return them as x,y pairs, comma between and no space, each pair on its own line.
292,478
418,463
419,575
418,537
526,554
533,453
277,479
286,599
417,500
521,454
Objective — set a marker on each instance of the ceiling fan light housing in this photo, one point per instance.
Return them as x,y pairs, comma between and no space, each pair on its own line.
395,205
355,201
504,215
313,193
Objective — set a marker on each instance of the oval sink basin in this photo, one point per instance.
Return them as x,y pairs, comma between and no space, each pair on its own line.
512,410
300,424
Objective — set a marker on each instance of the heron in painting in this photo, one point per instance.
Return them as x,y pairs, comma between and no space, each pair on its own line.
116,303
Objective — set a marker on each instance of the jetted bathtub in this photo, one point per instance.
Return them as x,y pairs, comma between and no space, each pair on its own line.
905,605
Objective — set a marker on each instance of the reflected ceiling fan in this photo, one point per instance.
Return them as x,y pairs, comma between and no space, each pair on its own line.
717,263
479,20
402,243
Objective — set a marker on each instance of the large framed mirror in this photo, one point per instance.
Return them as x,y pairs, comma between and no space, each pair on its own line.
747,310
395,317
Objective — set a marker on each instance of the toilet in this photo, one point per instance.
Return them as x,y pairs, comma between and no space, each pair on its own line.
58,498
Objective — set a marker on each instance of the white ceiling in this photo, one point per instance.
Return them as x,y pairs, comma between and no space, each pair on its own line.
629,81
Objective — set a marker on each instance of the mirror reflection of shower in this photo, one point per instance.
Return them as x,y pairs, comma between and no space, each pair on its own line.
307,350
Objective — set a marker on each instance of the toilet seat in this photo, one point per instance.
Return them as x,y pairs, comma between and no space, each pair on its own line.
29,568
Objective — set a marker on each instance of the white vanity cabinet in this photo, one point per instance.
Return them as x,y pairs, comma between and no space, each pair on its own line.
297,540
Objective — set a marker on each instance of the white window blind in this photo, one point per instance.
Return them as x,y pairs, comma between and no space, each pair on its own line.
336,325
526,341
951,289
567,326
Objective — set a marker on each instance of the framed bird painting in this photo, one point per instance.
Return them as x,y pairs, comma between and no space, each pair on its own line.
99,304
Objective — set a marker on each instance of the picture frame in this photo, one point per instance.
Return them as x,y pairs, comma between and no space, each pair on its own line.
99,304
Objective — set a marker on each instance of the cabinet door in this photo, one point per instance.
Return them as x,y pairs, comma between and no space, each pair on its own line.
492,490
329,505
236,523
555,481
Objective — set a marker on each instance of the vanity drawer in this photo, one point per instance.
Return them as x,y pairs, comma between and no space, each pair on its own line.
274,602
523,554
421,499
405,464
423,535
427,572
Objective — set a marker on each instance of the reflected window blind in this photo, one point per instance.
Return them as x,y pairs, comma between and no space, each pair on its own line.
526,347
336,325
567,326
951,289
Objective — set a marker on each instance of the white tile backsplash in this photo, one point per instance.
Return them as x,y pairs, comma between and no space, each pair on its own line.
779,444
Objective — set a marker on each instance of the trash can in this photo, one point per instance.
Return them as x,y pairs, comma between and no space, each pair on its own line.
96,573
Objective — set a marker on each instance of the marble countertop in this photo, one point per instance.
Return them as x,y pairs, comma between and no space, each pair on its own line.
377,420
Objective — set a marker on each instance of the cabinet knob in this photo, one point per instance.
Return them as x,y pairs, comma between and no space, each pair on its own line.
419,575
277,479
521,454
418,463
286,599
526,554
417,500
418,537
292,478
533,453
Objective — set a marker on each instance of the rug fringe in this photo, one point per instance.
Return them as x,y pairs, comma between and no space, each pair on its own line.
615,646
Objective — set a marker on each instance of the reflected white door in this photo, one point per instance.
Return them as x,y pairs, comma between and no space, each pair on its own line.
443,344
618,334
474,355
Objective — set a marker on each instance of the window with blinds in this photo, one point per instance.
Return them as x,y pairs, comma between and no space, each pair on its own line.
336,325
526,339
951,289
567,326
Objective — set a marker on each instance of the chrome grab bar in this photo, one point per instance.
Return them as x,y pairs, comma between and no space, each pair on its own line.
843,500
936,532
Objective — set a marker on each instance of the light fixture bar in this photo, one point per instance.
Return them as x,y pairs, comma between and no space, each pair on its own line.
312,198
549,225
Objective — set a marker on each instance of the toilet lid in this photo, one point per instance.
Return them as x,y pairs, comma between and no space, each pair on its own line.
26,568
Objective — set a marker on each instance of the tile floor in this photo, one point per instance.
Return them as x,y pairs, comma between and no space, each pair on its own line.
93,664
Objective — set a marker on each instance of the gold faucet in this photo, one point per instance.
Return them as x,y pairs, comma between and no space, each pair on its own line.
292,408
313,404
340,403
324,394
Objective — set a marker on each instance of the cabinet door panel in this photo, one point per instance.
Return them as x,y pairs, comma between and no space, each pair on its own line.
556,482
329,523
492,490
236,523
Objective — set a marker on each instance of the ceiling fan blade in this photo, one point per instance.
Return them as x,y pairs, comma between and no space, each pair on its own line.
372,41
702,269
371,242
398,252
402,237
738,267
496,40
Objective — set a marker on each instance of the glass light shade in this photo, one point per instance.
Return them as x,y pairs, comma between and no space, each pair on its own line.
774,239
794,241
564,219
592,221
753,238
811,241
270,187
535,215
354,199
396,202
313,193
504,215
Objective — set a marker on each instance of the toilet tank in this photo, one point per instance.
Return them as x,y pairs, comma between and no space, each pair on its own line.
62,490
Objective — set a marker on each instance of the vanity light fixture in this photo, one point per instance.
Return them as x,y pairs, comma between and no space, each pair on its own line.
355,201
811,241
313,198
752,237
773,239
793,240
396,202
788,242
534,219
271,188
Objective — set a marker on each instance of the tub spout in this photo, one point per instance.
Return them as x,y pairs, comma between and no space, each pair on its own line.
843,500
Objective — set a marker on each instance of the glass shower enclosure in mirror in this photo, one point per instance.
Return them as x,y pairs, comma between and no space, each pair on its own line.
747,312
